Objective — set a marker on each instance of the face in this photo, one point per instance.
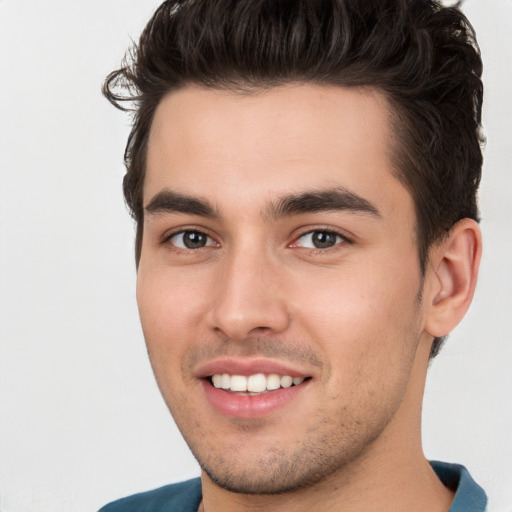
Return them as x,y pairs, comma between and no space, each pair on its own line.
279,281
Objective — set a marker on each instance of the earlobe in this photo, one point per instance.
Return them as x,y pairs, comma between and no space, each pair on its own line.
453,273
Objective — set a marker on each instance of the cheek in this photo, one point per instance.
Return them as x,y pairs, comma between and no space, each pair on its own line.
168,301
365,319
170,308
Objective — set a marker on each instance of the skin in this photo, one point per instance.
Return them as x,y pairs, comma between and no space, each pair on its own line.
357,318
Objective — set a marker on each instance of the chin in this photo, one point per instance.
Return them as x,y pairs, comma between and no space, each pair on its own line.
262,483
276,472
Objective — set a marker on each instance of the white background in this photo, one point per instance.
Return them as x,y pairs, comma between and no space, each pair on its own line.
81,420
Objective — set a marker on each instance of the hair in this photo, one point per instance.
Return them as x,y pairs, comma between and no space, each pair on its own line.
422,56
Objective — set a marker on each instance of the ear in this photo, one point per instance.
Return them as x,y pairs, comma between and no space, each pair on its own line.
452,274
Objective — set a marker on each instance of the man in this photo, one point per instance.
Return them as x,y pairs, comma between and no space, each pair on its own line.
303,175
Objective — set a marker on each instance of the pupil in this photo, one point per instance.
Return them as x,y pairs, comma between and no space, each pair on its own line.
322,239
194,240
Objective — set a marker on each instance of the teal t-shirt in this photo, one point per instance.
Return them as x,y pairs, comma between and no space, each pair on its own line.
186,496
469,496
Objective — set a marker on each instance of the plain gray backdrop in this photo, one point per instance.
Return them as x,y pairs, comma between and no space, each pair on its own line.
81,419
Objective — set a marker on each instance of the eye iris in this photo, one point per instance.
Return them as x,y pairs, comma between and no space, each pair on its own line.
323,239
194,240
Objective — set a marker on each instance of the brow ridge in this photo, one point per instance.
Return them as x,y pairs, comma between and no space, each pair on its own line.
337,199
168,201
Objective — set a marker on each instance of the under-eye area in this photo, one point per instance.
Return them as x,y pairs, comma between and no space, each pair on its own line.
257,383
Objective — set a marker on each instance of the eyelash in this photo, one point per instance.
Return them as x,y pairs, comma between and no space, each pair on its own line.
317,250
329,231
167,240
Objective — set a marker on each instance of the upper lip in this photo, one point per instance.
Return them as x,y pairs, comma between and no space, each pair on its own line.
247,367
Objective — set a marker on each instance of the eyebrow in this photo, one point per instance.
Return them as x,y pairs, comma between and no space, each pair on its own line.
337,199
167,201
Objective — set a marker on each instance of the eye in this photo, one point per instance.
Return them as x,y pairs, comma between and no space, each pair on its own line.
319,239
191,240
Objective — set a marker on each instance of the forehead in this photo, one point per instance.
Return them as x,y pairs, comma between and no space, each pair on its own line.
277,141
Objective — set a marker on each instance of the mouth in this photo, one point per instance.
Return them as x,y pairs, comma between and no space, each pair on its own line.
252,388
254,385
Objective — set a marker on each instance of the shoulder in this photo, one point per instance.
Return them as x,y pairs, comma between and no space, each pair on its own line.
469,496
181,497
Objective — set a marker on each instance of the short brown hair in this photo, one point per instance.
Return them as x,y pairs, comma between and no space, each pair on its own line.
421,55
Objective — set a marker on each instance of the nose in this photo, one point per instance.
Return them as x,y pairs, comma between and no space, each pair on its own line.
248,300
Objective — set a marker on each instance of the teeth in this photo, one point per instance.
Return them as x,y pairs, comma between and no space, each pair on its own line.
238,383
273,382
225,381
287,381
257,383
217,380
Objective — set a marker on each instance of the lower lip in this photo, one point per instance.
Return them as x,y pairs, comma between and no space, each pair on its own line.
247,406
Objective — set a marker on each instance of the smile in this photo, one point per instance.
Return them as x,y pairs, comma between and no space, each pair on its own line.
257,383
